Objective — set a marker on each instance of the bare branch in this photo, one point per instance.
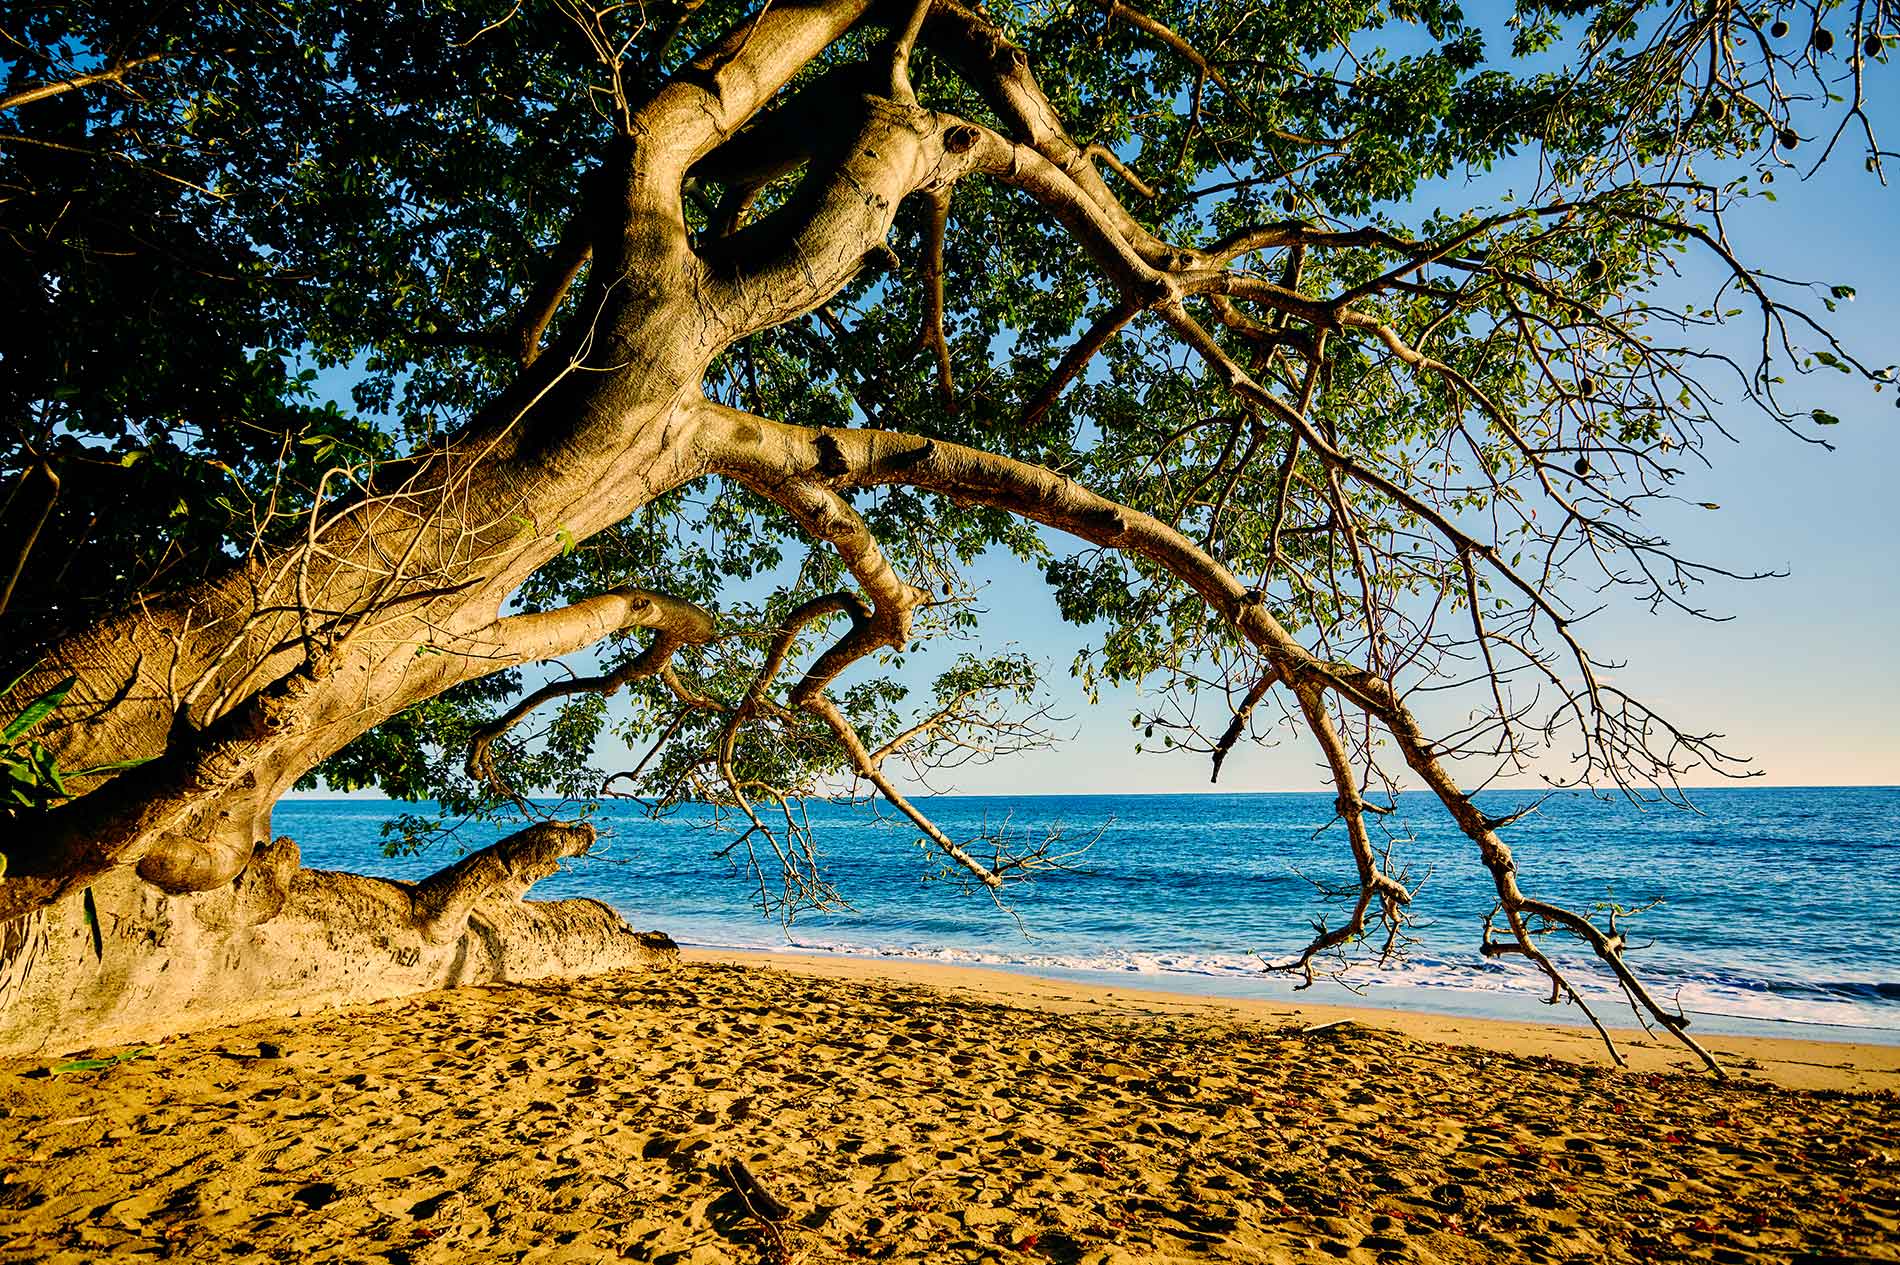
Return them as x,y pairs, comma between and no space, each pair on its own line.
114,73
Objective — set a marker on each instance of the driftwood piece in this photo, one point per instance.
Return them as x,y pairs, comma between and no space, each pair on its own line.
762,1205
759,1201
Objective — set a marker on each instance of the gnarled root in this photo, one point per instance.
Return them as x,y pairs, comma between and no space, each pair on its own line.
126,962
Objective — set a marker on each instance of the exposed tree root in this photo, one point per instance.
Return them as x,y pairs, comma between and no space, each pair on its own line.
125,962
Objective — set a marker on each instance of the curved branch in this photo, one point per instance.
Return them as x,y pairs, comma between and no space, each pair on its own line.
710,98
872,771
983,56
442,902
930,331
794,260
677,623
564,263
1098,335
190,819
1114,9
1374,883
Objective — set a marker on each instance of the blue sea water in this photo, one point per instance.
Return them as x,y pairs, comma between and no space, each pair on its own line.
1777,914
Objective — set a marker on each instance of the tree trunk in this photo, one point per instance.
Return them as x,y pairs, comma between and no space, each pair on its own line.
123,962
224,694
232,690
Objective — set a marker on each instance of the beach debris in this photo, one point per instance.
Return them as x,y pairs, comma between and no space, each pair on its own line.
765,1207
759,1201
99,1064
1332,1025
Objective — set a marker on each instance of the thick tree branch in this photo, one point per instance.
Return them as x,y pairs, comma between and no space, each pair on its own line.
177,816
986,59
505,870
720,89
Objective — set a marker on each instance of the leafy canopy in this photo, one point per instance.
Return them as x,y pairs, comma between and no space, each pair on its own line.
267,191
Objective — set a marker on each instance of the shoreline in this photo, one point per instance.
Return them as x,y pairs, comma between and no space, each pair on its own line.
1444,1001
1206,913
1789,1062
1200,788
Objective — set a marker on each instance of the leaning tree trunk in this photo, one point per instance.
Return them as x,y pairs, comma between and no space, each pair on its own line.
155,897
156,900
233,689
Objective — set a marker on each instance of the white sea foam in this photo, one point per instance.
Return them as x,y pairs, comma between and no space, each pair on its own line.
1246,975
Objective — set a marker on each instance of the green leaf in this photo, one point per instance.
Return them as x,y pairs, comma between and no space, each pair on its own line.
100,1064
25,672
114,766
91,908
1824,418
39,709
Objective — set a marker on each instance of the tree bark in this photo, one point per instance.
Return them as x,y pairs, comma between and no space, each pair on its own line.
124,962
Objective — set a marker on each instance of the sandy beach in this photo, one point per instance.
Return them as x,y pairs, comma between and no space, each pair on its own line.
814,1110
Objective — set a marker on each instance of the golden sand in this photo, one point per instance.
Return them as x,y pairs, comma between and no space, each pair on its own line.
990,1117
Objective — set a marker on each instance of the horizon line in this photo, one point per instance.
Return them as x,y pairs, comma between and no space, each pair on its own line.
367,798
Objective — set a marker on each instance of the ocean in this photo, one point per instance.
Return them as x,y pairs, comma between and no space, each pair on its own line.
1774,912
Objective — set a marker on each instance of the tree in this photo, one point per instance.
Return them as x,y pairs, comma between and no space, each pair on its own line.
653,307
